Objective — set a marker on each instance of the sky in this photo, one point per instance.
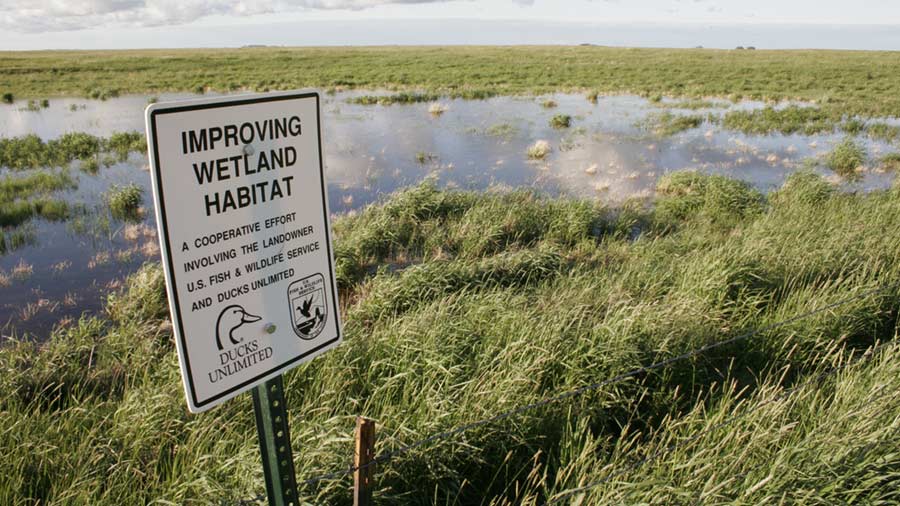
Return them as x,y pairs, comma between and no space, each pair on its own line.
92,24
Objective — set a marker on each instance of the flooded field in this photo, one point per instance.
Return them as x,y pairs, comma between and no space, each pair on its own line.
606,150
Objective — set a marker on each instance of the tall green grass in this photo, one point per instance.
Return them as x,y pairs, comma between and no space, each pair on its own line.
460,305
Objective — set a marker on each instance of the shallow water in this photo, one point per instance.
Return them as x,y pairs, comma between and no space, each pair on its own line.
371,151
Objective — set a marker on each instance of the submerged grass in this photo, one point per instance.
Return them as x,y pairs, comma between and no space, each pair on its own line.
666,124
505,131
398,98
692,105
459,305
561,121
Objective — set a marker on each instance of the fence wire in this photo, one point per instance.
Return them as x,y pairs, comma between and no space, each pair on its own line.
402,450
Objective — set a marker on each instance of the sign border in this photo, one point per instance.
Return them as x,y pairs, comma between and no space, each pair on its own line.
152,112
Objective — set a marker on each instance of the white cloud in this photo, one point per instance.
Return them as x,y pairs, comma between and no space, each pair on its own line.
61,15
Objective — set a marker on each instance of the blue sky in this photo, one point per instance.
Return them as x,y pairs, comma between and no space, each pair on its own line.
36,24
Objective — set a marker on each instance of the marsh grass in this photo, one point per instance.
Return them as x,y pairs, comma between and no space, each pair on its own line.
838,84
787,120
397,98
30,151
846,158
883,132
548,103
890,161
853,126
459,305
101,93
423,157
539,150
437,109
25,197
560,121
505,131
692,105
7,98
16,237
124,202
667,124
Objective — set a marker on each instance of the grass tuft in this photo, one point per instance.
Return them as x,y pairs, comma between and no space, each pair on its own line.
539,150
667,124
846,158
561,121
125,201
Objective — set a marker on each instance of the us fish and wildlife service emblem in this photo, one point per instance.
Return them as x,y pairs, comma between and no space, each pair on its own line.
309,309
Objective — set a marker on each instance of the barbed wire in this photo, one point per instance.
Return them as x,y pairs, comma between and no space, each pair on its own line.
402,450
728,421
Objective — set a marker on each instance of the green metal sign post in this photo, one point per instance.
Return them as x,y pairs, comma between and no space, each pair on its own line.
275,442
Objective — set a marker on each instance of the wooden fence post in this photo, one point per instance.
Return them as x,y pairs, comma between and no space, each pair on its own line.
364,453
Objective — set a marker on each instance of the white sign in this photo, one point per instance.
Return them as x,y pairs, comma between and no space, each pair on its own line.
242,210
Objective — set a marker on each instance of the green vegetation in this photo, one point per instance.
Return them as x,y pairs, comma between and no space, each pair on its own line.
12,187
398,98
505,131
460,305
787,120
718,200
125,201
423,157
22,198
15,213
692,105
832,79
30,151
845,158
7,98
13,239
853,126
101,93
561,121
891,161
539,150
666,123
34,105
883,132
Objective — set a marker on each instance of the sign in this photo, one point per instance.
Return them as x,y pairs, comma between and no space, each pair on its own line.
242,211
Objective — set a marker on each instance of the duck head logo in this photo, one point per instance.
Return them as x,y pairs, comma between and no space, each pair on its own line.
309,310
230,320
